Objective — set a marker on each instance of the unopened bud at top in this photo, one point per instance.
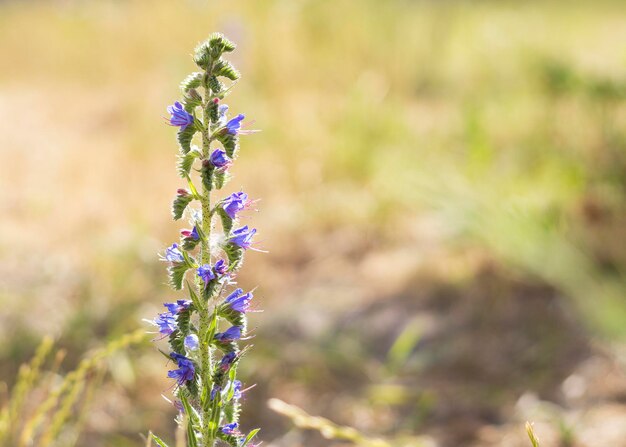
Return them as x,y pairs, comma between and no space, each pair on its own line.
210,50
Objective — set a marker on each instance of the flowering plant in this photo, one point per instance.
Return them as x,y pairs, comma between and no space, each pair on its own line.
204,351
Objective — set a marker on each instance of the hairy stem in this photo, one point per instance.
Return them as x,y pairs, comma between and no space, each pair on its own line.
208,439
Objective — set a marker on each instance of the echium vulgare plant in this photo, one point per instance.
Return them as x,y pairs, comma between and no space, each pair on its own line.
204,331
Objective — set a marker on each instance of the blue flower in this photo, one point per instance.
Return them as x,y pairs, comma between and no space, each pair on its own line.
179,117
237,389
216,389
222,109
206,273
219,159
220,267
230,429
233,333
166,323
238,301
173,254
186,369
191,342
234,125
178,306
235,203
179,406
242,237
227,361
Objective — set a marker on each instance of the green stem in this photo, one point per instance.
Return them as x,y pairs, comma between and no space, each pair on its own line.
208,439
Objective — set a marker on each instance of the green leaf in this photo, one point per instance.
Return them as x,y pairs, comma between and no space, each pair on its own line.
198,304
191,434
185,136
194,80
251,435
212,328
531,435
158,440
176,273
185,163
180,204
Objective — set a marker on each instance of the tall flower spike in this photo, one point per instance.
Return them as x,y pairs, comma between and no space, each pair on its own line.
205,329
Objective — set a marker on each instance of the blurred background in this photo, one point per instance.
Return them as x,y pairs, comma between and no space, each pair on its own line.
443,190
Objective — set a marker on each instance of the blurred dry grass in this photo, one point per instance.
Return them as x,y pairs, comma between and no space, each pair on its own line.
407,148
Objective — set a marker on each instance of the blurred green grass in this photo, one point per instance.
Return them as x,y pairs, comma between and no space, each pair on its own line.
398,137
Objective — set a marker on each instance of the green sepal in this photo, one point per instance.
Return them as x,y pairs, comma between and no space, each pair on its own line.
221,178
235,255
219,44
232,408
165,354
209,289
185,136
189,243
231,440
213,109
233,317
220,375
225,346
177,342
194,80
216,86
212,330
183,321
198,304
192,385
211,49
206,172
180,204
158,440
191,100
202,55
185,162
176,273
225,69
230,143
227,221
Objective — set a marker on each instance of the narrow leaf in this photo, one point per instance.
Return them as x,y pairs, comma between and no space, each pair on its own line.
251,435
158,440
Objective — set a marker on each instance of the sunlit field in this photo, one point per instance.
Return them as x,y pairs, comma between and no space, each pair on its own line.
443,199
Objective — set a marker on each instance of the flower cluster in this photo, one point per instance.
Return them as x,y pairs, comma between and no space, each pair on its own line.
205,331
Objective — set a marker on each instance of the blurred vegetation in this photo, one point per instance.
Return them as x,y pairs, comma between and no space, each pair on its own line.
443,194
